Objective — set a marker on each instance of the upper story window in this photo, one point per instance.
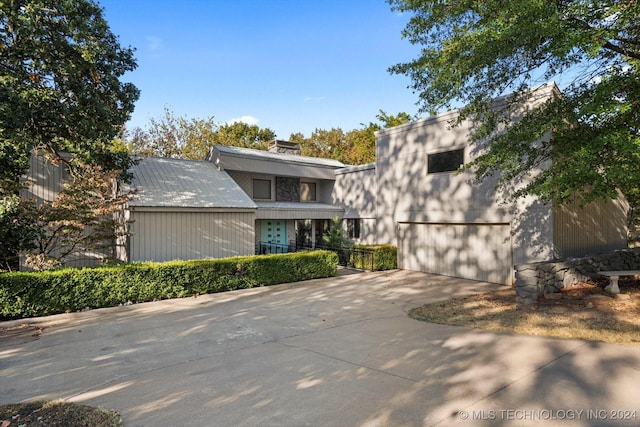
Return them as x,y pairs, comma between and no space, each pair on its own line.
446,161
262,189
308,192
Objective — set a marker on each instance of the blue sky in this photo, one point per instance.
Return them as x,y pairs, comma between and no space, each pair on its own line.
289,65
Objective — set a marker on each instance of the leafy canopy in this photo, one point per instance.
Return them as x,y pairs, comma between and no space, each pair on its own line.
355,147
60,91
179,137
60,86
473,51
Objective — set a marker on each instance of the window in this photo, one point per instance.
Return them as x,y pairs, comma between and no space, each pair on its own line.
353,228
262,189
308,191
447,161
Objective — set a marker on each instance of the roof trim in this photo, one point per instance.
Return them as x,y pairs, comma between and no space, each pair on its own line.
358,168
241,152
549,87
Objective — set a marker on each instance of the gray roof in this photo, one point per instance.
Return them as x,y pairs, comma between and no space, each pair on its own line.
267,155
162,182
358,168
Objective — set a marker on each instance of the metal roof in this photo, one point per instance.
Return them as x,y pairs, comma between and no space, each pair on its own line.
358,168
267,155
163,182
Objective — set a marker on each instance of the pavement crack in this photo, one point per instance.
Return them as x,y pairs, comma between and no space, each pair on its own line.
515,381
350,362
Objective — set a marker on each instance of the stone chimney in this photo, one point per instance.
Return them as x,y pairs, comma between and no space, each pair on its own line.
284,147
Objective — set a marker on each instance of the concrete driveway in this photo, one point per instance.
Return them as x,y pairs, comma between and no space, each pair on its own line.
329,352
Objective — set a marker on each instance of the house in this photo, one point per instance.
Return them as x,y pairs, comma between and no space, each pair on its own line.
356,190
292,193
444,222
237,202
242,201
186,209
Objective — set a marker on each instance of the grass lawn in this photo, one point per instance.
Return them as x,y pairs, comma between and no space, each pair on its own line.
583,312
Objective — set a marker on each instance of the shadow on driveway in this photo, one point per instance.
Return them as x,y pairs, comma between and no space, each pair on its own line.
338,351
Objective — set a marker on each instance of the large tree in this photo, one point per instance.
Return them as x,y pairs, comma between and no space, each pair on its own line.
60,88
60,91
355,147
180,137
473,51
174,137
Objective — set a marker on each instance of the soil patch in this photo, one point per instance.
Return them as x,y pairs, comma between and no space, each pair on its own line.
584,311
57,414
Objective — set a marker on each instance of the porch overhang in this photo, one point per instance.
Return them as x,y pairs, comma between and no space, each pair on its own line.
292,210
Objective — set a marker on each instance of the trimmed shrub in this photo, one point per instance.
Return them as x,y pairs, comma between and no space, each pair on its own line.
28,294
385,257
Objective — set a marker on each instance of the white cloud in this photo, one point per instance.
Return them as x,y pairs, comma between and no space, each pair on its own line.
154,43
250,120
314,98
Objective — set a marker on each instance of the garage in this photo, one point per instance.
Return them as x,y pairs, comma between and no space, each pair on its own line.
470,251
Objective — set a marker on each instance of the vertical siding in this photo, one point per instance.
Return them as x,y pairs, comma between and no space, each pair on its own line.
596,228
164,236
291,231
470,251
45,180
243,180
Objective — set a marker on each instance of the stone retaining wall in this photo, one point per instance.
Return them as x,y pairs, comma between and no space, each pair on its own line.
534,280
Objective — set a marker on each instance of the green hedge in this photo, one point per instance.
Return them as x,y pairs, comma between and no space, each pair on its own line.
28,294
385,257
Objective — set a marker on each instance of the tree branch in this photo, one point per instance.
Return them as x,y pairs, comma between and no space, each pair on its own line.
621,50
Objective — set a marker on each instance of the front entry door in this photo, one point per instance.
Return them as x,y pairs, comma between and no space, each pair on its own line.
274,235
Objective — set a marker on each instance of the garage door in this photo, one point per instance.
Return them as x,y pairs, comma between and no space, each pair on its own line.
471,251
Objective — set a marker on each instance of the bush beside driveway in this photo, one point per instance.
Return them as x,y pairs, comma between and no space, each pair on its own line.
337,351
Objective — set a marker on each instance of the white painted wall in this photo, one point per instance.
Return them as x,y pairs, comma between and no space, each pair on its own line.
407,194
355,190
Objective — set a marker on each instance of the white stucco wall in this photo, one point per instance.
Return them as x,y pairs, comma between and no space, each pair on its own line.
407,194
356,190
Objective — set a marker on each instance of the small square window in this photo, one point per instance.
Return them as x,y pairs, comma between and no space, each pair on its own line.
447,161
262,189
308,191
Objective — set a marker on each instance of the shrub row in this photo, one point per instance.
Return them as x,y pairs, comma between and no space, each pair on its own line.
385,257
28,294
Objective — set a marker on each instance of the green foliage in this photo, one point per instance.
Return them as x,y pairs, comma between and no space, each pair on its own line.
86,216
18,230
385,257
59,83
336,237
179,137
174,137
240,134
59,92
355,147
28,294
473,52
